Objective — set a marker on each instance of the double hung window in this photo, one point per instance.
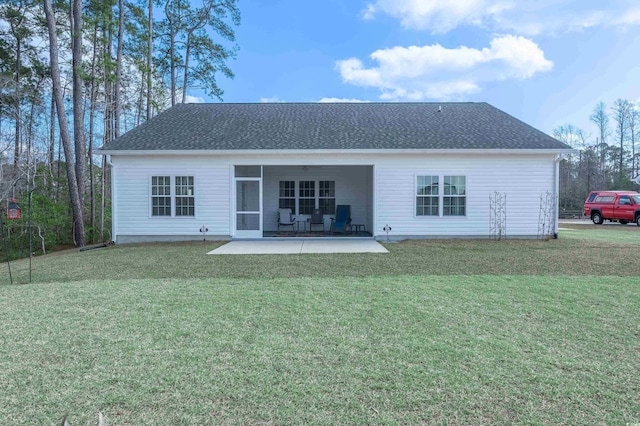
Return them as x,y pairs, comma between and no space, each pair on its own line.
427,196
454,199
161,196
441,195
185,199
172,196
287,195
305,195
327,196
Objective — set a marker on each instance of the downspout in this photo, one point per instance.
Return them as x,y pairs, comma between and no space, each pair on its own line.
113,197
557,193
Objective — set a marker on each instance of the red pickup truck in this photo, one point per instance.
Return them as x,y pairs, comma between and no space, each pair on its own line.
616,206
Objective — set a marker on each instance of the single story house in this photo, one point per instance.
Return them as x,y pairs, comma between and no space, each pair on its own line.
416,170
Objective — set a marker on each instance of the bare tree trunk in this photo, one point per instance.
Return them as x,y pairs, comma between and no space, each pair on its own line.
92,117
30,133
76,205
172,40
198,24
140,100
186,68
16,152
173,66
78,115
52,134
108,90
118,67
149,54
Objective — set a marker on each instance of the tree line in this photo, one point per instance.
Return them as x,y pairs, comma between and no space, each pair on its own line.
76,74
605,160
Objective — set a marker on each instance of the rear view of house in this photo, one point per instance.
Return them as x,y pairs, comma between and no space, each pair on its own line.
424,170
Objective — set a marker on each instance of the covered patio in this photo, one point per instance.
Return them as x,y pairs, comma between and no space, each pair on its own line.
262,190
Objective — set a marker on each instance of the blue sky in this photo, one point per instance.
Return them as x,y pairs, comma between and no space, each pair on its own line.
547,62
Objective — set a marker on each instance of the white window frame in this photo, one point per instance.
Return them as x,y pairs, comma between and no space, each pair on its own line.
173,196
152,196
441,195
294,198
299,197
191,194
326,197
316,197
417,196
454,196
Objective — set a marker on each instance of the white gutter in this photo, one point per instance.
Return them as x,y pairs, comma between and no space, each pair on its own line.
199,152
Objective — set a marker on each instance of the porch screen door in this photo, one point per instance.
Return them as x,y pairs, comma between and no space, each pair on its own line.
248,208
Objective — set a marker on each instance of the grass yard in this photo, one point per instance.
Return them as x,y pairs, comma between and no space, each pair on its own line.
435,332
629,234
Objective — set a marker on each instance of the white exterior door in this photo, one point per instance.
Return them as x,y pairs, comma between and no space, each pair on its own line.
248,217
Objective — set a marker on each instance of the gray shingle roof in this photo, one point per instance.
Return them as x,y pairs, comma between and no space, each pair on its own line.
333,126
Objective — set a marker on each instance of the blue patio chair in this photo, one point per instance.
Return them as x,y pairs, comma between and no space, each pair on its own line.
285,218
342,220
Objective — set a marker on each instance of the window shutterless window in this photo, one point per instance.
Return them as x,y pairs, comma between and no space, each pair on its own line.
450,192
427,196
327,196
185,196
454,201
172,196
161,196
287,198
307,196
310,194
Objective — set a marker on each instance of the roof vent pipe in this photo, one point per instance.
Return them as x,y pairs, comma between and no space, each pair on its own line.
439,108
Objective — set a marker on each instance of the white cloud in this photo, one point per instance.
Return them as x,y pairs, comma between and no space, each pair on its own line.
520,17
630,17
271,100
341,100
436,15
193,99
436,72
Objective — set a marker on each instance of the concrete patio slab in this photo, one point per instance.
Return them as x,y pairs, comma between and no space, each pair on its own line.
300,247
342,246
259,247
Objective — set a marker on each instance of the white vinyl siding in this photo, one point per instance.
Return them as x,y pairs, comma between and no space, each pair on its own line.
522,177
132,191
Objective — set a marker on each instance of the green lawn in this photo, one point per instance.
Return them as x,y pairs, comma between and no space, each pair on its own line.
616,233
444,332
566,256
